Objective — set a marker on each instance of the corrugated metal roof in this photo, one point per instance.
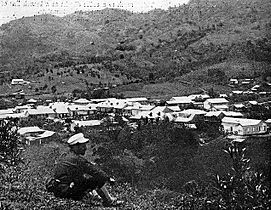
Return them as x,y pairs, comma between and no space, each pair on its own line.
241,121
217,100
31,129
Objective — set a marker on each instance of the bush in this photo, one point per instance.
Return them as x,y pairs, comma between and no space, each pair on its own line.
10,144
243,188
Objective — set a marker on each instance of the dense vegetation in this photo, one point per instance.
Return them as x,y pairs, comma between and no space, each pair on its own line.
155,167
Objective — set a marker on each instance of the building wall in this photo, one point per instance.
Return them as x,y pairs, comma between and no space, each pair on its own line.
245,130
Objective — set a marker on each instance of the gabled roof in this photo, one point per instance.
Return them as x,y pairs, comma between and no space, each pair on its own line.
253,102
181,99
31,129
174,108
237,91
156,112
194,96
184,119
239,105
40,110
241,121
60,107
22,107
43,135
32,100
217,100
214,113
193,111
13,115
233,114
87,122
136,99
114,103
221,106
74,107
6,111
81,101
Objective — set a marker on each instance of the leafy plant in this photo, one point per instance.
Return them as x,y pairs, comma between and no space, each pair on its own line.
243,188
10,144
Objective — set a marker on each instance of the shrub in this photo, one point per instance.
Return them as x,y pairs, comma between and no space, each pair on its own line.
10,144
243,188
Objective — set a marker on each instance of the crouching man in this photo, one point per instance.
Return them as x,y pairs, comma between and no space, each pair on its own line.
75,176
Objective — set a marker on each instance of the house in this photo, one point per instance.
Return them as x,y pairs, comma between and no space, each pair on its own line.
6,111
23,115
199,97
238,107
113,105
60,109
243,126
32,101
81,101
182,101
190,116
135,109
79,110
237,92
214,116
41,112
255,88
85,123
223,95
19,82
21,109
233,114
35,135
141,100
156,113
233,82
216,104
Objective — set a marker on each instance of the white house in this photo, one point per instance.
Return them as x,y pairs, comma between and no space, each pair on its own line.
85,123
182,101
35,135
60,109
135,109
19,82
243,126
189,116
41,112
216,104
81,101
79,110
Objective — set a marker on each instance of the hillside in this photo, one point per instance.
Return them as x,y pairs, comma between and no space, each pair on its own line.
156,167
233,36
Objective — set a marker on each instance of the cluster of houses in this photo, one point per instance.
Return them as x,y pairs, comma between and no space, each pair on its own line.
187,110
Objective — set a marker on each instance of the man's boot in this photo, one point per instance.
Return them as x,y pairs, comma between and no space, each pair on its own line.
108,200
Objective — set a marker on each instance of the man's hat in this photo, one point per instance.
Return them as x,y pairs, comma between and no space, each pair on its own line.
77,139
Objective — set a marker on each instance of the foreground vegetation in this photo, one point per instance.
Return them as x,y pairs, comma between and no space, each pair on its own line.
151,165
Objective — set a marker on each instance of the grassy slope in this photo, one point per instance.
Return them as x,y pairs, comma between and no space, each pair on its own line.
228,35
208,161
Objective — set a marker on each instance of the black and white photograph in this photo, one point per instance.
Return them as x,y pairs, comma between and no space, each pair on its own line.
135,104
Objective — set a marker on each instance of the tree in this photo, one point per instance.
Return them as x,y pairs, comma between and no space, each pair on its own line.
10,144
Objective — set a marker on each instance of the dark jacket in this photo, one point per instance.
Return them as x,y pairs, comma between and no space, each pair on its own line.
76,176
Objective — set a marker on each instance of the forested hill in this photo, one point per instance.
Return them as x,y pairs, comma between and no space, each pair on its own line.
171,43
